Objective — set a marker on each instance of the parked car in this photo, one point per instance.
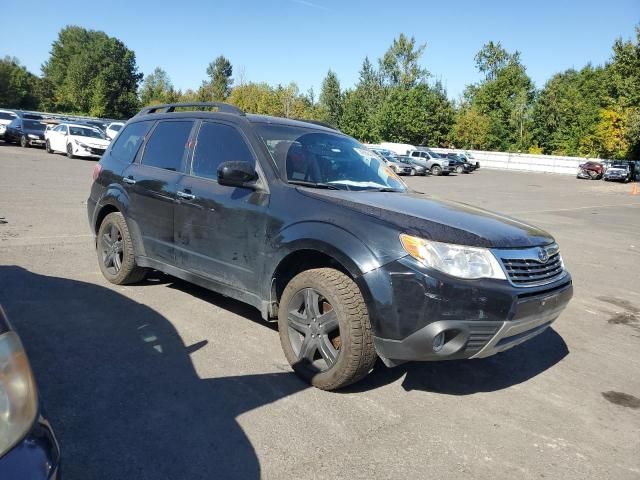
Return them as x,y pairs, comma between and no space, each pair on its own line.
27,133
470,159
308,226
398,148
618,172
113,128
415,166
76,140
28,446
460,164
392,162
432,161
6,117
590,170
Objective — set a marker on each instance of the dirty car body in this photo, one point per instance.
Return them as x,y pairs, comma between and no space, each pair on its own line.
247,242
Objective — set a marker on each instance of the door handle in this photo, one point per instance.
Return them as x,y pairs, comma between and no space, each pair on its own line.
186,196
129,180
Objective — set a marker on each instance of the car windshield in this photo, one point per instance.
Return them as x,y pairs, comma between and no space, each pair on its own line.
618,165
85,132
434,154
326,160
32,125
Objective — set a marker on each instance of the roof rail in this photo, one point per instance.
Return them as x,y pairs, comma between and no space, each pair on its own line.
317,122
171,107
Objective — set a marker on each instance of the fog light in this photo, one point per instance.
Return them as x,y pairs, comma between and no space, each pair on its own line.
438,342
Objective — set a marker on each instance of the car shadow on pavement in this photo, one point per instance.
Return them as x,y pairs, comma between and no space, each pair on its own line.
465,377
121,391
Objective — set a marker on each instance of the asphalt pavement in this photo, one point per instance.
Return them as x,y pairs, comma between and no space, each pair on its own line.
165,380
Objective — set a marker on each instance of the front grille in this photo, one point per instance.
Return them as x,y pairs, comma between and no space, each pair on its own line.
530,271
531,266
97,151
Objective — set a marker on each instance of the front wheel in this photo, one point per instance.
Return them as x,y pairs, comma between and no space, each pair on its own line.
413,172
115,251
459,169
325,330
70,150
436,170
24,141
47,147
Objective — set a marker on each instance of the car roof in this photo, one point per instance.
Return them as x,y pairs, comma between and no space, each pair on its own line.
252,118
79,125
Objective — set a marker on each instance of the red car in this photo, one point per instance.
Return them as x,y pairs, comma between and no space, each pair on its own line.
590,170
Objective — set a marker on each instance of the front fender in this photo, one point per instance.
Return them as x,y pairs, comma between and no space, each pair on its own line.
329,239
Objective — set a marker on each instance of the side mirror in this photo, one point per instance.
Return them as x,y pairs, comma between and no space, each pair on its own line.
237,174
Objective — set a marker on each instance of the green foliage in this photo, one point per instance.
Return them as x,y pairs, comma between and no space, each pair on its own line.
218,87
399,65
281,101
504,99
157,88
90,72
331,99
471,129
18,87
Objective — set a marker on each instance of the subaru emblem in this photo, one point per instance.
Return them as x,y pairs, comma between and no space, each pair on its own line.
543,256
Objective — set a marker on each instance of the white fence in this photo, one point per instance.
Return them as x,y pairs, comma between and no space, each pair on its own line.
524,161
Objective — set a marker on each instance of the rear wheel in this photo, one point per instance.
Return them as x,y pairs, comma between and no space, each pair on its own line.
115,251
436,170
325,330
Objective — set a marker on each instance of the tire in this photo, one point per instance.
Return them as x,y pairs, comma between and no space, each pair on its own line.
70,151
47,147
24,142
459,169
115,251
413,173
436,170
337,356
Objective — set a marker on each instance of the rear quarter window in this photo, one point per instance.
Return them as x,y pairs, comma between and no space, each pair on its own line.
128,142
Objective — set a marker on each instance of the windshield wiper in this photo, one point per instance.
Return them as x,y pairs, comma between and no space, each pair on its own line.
383,189
304,183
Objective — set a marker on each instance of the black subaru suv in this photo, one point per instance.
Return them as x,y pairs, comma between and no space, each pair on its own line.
314,230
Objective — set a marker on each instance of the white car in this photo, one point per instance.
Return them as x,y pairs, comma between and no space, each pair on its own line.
6,117
76,140
113,128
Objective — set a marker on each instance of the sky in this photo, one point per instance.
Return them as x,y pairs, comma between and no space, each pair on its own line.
279,41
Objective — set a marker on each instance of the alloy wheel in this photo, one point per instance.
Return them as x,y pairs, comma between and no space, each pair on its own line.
314,331
111,247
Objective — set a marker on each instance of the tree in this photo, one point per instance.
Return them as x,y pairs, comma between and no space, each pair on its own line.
157,88
88,71
609,137
399,65
331,99
492,58
218,87
18,87
421,115
471,129
504,97
361,104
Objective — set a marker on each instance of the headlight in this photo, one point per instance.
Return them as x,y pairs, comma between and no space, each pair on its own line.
18,396
455,260
35,137
83,145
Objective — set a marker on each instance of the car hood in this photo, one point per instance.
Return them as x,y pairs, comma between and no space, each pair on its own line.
438,219
33,131
616,170
92,141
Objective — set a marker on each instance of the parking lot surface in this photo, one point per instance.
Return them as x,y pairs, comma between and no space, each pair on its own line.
165,380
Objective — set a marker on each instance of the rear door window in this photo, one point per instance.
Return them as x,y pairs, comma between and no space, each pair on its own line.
218,143
128,142
167,146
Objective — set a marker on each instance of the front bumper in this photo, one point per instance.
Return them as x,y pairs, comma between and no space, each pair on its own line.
40,142
410,306
36,457
90,152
